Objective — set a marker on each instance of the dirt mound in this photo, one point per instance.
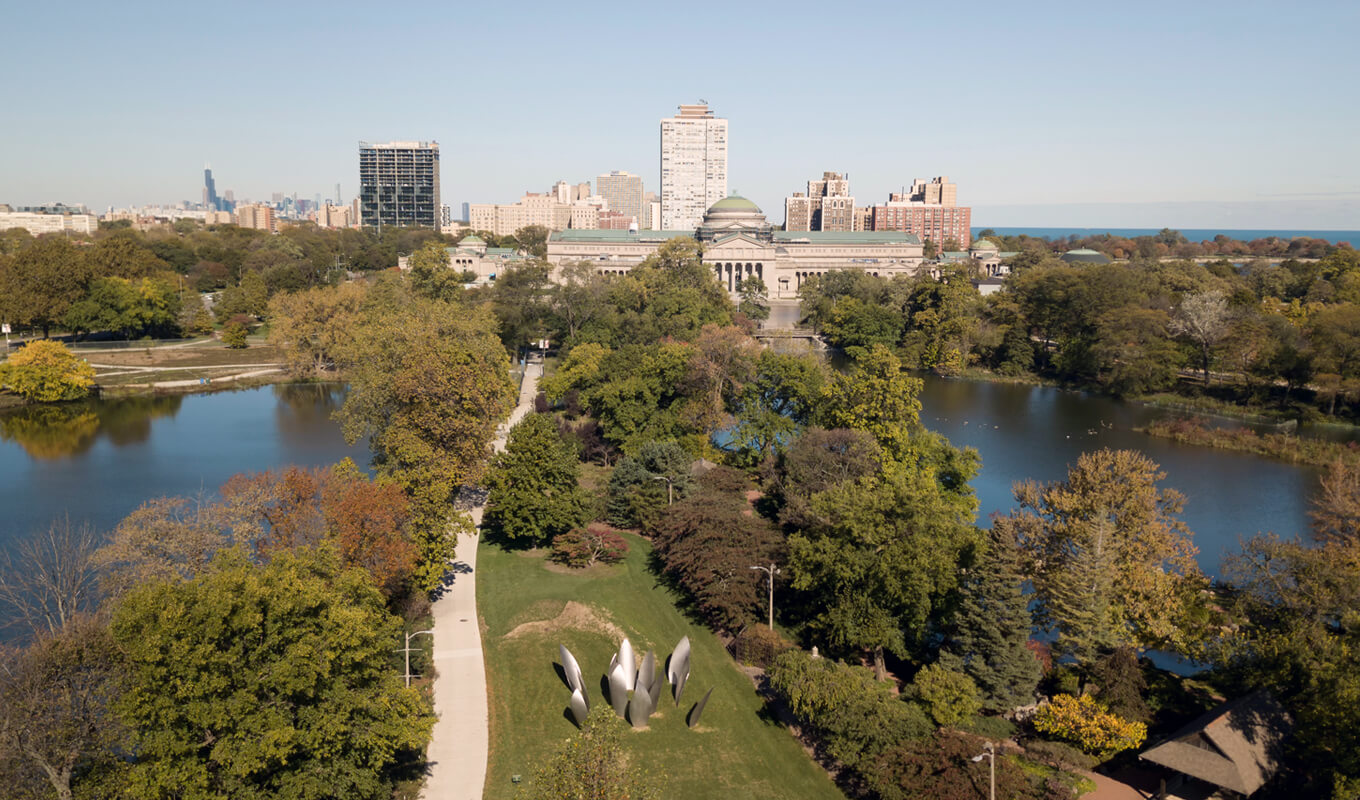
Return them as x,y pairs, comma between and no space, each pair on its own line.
574,615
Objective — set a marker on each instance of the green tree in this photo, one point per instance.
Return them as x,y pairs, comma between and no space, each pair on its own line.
234,335
776,404
533,240
1112,562
640,487
522,302
46,372
430,273
534,494
271,681
593,765
950,697
127,307
993,624
429,382
755,302
41,281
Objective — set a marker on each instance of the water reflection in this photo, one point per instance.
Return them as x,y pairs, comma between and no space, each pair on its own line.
49,432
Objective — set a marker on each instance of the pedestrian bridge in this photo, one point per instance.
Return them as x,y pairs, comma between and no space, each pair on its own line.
773,336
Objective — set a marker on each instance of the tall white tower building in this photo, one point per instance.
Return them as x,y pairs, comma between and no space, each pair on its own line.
693,166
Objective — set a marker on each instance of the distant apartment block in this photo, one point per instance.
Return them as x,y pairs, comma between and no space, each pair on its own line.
258,216
333,216
623,192
563,206
827,206
930,210
38,223
693,166
399,184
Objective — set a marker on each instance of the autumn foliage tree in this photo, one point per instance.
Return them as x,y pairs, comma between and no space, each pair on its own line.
46,372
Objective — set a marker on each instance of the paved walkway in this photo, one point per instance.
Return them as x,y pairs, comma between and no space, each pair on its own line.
458,746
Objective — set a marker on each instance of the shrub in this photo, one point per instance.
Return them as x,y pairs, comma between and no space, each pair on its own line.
234,335
1087,724
758,646
583,547
949,697
994,728
1059,755
46,372
942,767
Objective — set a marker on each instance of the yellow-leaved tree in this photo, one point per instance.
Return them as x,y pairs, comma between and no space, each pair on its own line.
46,372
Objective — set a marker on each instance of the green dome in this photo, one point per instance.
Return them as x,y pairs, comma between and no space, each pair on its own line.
1084,256
734,203
984,244
474,239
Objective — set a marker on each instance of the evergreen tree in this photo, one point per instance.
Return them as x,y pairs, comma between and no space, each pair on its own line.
993,626
1122,685
534,494
1077,599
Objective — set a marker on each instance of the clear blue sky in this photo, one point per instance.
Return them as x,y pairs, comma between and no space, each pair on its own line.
1079,113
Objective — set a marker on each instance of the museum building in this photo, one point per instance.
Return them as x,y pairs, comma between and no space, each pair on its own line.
738,242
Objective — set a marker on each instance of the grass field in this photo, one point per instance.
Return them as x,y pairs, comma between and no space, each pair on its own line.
523,601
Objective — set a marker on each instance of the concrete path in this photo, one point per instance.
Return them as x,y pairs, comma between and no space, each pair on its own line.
459,744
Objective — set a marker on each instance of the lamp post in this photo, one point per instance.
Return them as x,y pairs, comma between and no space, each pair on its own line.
772,571
990,755
670,487
407,651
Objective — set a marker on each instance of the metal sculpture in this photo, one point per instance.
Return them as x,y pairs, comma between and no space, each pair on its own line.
618,690
639,709
698,710
646,675
571,669
677,670
627,661
580,707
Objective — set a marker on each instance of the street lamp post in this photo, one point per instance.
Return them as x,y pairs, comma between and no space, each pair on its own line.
407,651
990,755
670,487
772,571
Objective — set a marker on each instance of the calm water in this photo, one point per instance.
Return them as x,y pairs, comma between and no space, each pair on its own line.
1193,234
1036,432
99,460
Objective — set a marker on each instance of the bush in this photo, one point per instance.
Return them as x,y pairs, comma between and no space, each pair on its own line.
583,547
234,335
46,372
1059,755
942,767
758,646
1088,725
949,697
994,728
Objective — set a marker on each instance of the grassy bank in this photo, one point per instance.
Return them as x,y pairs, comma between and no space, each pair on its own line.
529,606
1279,446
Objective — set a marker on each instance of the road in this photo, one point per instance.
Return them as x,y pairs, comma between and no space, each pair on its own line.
459,744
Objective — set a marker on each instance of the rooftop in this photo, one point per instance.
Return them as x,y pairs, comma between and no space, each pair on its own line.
734,203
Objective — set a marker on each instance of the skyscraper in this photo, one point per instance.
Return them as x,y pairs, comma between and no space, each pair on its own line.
210,191
623,192
693,166
827,206
399,184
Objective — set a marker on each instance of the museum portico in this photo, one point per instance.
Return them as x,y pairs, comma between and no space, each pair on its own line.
738,242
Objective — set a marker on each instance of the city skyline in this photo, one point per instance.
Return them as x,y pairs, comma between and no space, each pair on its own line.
1200,120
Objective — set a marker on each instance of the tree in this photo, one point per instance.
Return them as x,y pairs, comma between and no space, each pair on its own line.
640,487
234,335
723,361
1204,319
46,372
521,301
54,697
992,627
313,326
1122,686
707,544
269,681
1087,724
1336,507
819,460
593,765
585,547
534,495
41,281
430,273
429,382
48,579
580,302
1112,562
533,240
128,307
755,302
777,403
950,697
169,538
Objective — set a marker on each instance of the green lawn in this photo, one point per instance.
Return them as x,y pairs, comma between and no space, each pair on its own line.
735,752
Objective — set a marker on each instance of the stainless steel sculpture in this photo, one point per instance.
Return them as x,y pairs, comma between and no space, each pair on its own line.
571,669
698,710
618,690
677,671
646,675
627,661
580,707
639,709
654,691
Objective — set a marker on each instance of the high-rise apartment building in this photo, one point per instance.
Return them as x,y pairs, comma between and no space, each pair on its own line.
930,210
258,216
399,184
623,192
827,206
693,166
